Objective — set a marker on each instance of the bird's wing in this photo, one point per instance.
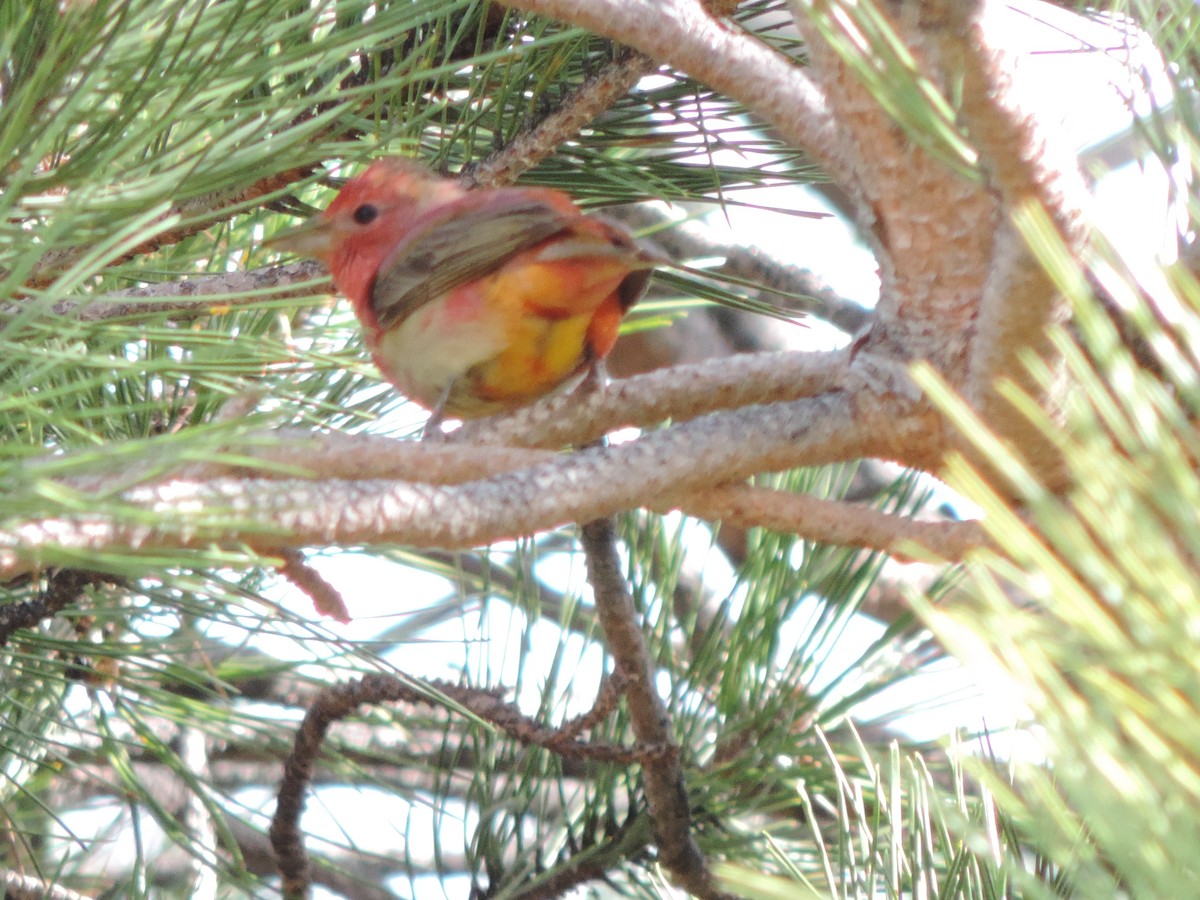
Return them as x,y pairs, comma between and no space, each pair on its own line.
596,237
466,240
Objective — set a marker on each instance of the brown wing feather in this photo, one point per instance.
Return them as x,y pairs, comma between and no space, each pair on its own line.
632,287
445,254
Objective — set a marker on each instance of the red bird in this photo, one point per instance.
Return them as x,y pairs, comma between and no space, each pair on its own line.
474,301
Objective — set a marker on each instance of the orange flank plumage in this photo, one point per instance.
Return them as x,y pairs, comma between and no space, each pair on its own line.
473,302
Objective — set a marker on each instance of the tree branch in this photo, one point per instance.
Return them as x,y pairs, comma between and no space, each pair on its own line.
683,34
202,211
197,817
916,212
485,447
333,704
29,887
678,393
63,587
325,597
1028,165
273,515
690,239
662,777
834,522
599,92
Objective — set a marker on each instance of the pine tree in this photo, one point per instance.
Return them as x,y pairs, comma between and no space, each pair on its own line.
197,455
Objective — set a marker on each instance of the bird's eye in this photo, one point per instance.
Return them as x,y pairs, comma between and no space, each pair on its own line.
365,214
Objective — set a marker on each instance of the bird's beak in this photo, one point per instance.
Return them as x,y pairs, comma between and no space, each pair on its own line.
312,238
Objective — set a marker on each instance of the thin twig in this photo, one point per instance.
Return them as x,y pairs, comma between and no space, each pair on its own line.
30,887
595,95
197,817
589,863
202,211
666,792
63,588
684,34
690,239
529,147
206,209
325,597
201,295
833,522
341,701
606,702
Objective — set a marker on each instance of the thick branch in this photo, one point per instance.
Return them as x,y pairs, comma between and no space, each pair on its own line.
357,456
679,393
930,228
485,447
366,456
1021,156
1030,166
355,467
272,515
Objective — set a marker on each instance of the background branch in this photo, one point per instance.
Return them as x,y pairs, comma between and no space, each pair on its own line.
683,34
666,792
29,887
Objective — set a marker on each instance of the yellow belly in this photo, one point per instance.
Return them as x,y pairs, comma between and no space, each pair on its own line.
478,356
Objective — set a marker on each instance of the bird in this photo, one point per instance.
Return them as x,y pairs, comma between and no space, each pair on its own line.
474,301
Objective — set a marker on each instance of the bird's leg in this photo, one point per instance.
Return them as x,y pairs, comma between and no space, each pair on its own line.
595,378
433,425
